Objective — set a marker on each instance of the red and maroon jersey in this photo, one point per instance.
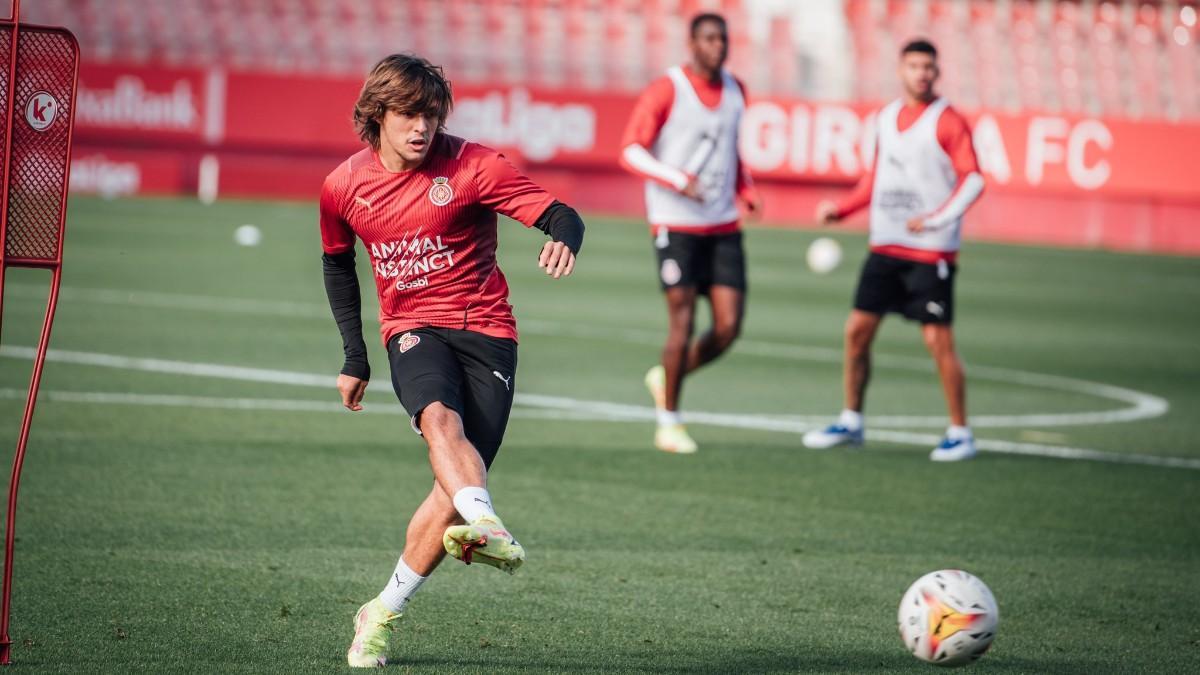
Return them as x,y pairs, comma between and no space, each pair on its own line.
431,233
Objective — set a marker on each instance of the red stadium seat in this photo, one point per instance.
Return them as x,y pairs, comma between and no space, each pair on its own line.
1117,57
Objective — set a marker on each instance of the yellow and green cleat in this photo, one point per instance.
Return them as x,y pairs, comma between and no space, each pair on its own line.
674,438
373,625
656,382
484,541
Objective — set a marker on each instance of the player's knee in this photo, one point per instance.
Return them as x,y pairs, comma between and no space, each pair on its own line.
858,335
931,343
726,332
680,328
439,423
938,341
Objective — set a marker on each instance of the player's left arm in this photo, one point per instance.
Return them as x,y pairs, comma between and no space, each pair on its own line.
505,190
954,135
745,188
747,191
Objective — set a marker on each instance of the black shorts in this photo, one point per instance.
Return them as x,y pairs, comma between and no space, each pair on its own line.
701,260
920,291
470,373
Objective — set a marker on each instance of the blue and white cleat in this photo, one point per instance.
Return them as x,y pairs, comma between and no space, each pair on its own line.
832,436
954,449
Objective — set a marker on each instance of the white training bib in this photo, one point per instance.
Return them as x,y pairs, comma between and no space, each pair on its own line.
913,177
702,142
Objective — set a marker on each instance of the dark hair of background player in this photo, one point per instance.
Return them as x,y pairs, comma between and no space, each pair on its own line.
919,47
405,84
700,19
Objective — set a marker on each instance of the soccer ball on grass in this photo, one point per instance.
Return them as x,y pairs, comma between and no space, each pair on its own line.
948,618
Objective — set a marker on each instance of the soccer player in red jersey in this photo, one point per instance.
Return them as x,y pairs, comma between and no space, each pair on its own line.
924,179
424,204
682,138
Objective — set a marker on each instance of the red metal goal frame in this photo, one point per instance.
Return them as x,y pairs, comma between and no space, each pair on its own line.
42,70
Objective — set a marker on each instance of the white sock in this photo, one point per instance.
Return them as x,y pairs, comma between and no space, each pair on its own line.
668,418
401,587
851,419
473,503
956,433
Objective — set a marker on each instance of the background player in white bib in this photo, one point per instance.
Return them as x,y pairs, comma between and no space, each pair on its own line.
683,139
925,178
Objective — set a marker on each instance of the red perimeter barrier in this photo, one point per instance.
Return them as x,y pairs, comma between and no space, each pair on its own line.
1051,179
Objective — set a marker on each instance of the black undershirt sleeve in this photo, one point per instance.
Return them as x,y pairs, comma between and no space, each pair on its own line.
341,287
563,224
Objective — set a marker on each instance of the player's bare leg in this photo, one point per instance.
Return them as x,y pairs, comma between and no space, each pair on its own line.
681,315
728,308
459,471
666,380
861,328
436,528
455,462
959,443
939,340
423,549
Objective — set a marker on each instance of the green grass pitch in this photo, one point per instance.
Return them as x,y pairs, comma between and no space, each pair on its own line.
175,522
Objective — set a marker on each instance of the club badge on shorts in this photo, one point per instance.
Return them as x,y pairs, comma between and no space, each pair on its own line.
440,193
408,341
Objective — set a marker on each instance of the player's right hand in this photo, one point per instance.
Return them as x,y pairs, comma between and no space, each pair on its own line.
692,189
827,212
352,389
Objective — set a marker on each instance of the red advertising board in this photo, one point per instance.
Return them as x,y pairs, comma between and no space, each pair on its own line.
159,106
260,124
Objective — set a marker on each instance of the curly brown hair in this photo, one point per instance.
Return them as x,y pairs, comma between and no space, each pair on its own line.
405,84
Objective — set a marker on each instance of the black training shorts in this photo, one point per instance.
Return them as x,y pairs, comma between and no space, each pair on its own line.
920,291
471,373
700,260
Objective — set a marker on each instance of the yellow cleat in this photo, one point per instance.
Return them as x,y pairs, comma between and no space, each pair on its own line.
484,541
674,438
656,382
372,628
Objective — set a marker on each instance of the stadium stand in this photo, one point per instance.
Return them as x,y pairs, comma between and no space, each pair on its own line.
1129,58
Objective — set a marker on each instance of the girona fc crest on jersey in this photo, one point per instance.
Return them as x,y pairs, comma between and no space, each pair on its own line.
408,341
440,193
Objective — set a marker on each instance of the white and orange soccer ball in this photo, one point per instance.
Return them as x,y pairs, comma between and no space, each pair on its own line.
948,618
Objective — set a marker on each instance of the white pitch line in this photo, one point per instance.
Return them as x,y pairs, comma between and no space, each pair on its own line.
267,404
1141,405
175,367
567,409
165,300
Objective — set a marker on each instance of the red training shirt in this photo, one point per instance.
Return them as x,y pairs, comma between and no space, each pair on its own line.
431,233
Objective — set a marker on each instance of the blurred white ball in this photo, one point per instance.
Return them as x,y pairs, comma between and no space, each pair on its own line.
247,235
824,255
